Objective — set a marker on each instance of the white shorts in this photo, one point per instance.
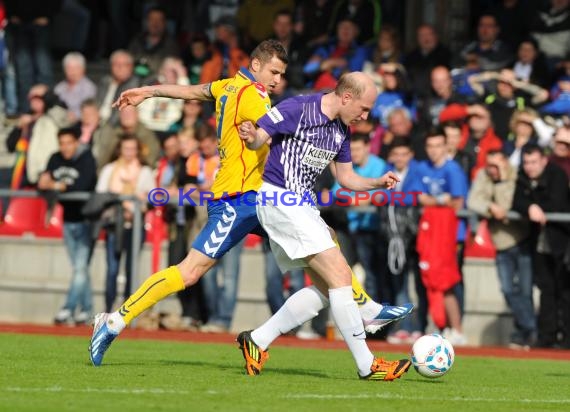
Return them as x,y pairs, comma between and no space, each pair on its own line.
295,232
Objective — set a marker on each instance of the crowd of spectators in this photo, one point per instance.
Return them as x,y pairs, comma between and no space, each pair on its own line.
485,127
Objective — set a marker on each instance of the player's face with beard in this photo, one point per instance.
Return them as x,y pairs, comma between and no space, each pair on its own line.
269,74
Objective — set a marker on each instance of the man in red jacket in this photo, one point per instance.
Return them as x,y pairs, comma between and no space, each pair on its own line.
478,135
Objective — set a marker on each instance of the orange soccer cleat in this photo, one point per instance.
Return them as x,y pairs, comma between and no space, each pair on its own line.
382,370
254,356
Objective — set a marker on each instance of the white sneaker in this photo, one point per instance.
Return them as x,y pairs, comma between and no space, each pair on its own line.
63,316
190,324
308,335
213,328
82,318
456,338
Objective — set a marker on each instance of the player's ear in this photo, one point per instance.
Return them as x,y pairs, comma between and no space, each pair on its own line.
255,65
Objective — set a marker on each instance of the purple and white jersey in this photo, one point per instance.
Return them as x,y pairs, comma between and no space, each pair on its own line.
303,142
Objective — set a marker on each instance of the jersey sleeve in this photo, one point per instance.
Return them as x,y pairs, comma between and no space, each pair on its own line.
253,103
343,155
282,119
216,86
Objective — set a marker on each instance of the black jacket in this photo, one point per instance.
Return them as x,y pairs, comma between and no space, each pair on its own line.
552,194
78,174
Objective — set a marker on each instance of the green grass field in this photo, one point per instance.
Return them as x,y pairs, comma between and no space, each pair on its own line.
44,373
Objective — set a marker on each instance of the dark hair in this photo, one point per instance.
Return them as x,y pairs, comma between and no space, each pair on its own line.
88,102
453,124
157,9
283,12
429,26
347,18
360,137
377,55
487,14
532,41
494,152
228,21
435,132
267,49
401,142
168,137
51,100
73,131
200,37
531,148
205,131
125,138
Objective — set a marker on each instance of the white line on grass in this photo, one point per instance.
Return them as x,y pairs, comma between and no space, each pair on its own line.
57,389
419,398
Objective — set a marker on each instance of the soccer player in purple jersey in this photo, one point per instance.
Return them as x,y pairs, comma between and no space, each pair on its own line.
307,133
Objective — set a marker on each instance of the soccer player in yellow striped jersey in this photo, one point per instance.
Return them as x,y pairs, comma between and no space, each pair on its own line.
241,98
238,100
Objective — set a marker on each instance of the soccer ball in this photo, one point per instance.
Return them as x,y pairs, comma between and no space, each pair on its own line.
432,355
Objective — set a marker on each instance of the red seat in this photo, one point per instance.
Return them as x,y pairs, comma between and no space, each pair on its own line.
480,245
23,215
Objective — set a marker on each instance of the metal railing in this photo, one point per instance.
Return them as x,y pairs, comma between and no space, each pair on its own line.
85,196
138,221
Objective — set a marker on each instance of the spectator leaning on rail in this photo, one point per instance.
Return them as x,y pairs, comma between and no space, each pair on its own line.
491,197
542,187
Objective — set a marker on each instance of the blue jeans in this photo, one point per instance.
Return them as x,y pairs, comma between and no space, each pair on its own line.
514,267
32,58
77,238
9,89
113,259
221,299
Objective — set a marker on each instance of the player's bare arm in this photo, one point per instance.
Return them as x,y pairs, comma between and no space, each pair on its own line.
347,178
253,138
134,97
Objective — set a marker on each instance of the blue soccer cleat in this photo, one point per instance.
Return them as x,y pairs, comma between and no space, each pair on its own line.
101,339
387,315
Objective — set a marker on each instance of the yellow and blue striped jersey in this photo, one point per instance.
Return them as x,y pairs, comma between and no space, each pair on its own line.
238,99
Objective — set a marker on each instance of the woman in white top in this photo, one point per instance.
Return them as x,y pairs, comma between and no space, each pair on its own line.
127,175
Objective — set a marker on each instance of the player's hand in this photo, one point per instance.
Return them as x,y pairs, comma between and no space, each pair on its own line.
246,132
388,181
131,97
